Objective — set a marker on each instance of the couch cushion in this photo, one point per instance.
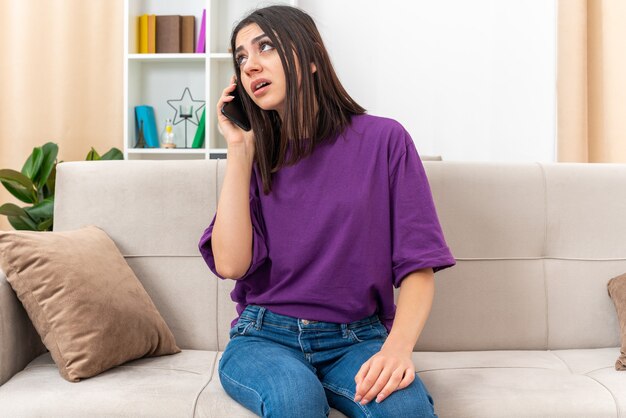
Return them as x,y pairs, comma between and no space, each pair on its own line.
532,383
148,387
586,361
484,384
533,274
184,385
85,302
497,367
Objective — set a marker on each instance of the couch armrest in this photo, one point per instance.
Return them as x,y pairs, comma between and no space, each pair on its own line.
19,341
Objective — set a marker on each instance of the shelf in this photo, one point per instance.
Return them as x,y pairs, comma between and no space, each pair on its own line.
221,56
167,151
160,80
167,57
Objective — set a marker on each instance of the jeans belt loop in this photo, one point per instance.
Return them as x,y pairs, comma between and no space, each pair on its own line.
344,330
259,318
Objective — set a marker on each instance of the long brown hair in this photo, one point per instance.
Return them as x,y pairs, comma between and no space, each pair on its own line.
292,30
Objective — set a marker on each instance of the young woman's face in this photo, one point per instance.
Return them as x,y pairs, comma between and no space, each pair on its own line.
262,74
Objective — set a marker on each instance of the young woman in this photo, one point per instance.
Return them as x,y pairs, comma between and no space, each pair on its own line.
323,211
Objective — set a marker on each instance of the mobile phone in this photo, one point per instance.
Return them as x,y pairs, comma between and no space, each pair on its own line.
233,110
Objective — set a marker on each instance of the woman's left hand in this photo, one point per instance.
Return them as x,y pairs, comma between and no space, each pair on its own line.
384,373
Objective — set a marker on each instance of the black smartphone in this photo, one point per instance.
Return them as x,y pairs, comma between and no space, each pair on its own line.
233,110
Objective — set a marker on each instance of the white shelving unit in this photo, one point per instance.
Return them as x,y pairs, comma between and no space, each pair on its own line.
152,79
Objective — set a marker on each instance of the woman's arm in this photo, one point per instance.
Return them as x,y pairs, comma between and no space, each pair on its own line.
413,309
231,241
392,367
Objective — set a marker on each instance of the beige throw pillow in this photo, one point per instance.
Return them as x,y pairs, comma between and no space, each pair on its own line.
85,302
617,291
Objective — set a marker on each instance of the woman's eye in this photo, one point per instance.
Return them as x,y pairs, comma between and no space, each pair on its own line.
266,46
263,47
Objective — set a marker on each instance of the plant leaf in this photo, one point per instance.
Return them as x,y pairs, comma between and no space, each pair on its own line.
10,209
92,155
17,177
18,185
45,225
18,191
42,210
22,223
50,152
33,163
113,154
51,183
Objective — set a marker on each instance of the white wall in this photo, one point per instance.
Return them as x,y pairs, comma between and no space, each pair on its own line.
470,80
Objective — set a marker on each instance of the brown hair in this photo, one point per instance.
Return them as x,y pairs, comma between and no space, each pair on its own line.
292,30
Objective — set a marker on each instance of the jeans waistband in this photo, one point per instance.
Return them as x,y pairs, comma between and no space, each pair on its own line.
261,315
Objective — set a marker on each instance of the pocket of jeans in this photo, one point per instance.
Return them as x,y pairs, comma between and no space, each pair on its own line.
382,329
241,328
369,332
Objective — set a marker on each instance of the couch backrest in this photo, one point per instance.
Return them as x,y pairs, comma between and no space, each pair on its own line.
535,245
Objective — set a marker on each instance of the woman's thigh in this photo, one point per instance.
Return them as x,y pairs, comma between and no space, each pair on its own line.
271,380
340,387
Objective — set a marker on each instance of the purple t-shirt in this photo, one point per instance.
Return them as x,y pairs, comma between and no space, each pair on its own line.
340,228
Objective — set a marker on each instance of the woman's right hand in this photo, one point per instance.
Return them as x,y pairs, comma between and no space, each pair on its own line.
234,134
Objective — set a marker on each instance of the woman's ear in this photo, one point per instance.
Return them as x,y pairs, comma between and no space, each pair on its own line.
313,68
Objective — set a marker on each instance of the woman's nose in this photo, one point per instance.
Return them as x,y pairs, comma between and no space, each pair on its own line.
252,64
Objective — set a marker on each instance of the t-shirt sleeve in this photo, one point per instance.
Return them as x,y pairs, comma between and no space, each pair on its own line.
259,247
417,237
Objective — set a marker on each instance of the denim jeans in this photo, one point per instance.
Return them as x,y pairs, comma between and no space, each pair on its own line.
280,366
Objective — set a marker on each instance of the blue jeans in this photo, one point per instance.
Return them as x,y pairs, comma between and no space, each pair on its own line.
280,366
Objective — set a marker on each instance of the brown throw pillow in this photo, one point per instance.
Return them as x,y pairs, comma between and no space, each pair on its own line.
617,291
84,300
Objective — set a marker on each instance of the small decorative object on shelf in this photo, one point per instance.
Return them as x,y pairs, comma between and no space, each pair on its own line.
186,112
141,140
198,139
184,108
167,137
144,118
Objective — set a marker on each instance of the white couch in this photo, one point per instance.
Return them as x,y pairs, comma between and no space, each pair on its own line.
522,326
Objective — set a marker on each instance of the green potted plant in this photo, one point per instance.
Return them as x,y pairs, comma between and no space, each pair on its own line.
35,185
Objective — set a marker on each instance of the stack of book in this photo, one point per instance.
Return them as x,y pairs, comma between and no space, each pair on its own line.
167,34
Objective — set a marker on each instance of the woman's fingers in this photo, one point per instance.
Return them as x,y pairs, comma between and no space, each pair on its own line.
225,97
391,386
226,92
227,128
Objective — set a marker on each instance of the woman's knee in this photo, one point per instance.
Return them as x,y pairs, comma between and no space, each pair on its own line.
412,401
294,396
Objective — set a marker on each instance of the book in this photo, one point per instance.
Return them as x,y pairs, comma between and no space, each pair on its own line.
188,34
168,34
202,35
151,34
143,34
198,139
144,117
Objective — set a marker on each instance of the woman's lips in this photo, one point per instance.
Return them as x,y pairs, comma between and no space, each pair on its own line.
261,91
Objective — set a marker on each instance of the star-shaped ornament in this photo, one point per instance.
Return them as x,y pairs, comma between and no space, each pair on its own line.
186,101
